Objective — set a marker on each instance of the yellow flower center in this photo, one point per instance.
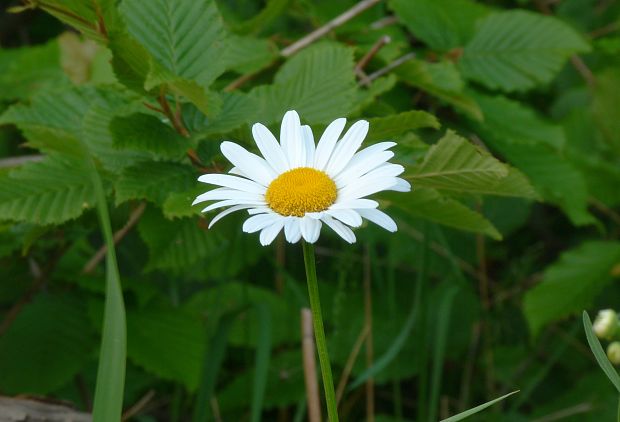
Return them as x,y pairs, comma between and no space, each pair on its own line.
301,190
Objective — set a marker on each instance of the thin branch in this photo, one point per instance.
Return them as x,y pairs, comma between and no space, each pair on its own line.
348,367
310,378
138,406
391,66
322,31
383,22
583,70
385,39
18,161
98,257
174,119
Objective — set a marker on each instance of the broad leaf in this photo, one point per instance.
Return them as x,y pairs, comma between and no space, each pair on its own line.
571,283
516,50
49,192
318,82
386,128
430,205
153,181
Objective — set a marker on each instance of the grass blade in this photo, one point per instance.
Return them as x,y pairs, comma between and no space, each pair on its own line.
263,352
476,409
599,353
108,403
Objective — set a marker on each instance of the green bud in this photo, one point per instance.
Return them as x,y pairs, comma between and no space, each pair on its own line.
606,324
613,352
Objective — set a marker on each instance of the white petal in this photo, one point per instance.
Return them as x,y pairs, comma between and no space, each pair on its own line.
401,186
365,188
230,202
347,216
232,182
270,232
306,131
292,230
291,139
224,213
270,148
379,218
310,229
226,193
342,230
255,167
260,210
355,204
385,170
348,145
237,172
354,171
258,222
327,142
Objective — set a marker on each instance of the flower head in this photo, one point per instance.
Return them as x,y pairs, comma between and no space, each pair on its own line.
613,352
297,185
606,324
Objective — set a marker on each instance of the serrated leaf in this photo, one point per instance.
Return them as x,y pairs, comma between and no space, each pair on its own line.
442,24
386,128
153,181
318,82
247,54
48,192
148,134
571,283
237,109
47,344
441,80
516,50
167,342
509,119
430,205
185,37
175,244
179,204
454,164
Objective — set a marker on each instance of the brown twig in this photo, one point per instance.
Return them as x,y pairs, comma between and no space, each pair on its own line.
359,68
348,367
310,378
391,66
370,382
583,70
100,254
174,119
138,406
322,31
383,22
18,161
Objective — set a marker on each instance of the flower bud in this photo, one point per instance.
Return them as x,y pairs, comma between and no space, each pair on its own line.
613,352
606,324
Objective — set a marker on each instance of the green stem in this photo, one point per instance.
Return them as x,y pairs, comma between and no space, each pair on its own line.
319,332
618,418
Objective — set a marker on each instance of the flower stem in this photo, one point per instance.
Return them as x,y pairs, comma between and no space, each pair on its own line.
319,333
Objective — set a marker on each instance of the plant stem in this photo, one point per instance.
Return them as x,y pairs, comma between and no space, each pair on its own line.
319,333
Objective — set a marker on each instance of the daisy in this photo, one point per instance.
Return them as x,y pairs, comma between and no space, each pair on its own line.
299,186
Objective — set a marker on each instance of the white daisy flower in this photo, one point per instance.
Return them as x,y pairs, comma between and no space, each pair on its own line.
298,186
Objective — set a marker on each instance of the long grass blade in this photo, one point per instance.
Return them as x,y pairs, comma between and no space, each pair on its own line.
599,353
476,409
108,402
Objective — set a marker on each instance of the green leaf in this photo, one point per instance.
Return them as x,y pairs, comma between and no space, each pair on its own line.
48,192
261,362
247,54
168,342
261,20
30,70
442,24
571,283
430,205
237,109
179,204
318,82
153,181
47,344
477,409
147,133
509,119
175,244
185,37
516,50
386,128
441,80
599,354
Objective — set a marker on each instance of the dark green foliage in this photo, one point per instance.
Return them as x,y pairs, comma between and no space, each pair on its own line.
506,118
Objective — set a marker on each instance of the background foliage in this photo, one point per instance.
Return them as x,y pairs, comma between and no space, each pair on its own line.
507,120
